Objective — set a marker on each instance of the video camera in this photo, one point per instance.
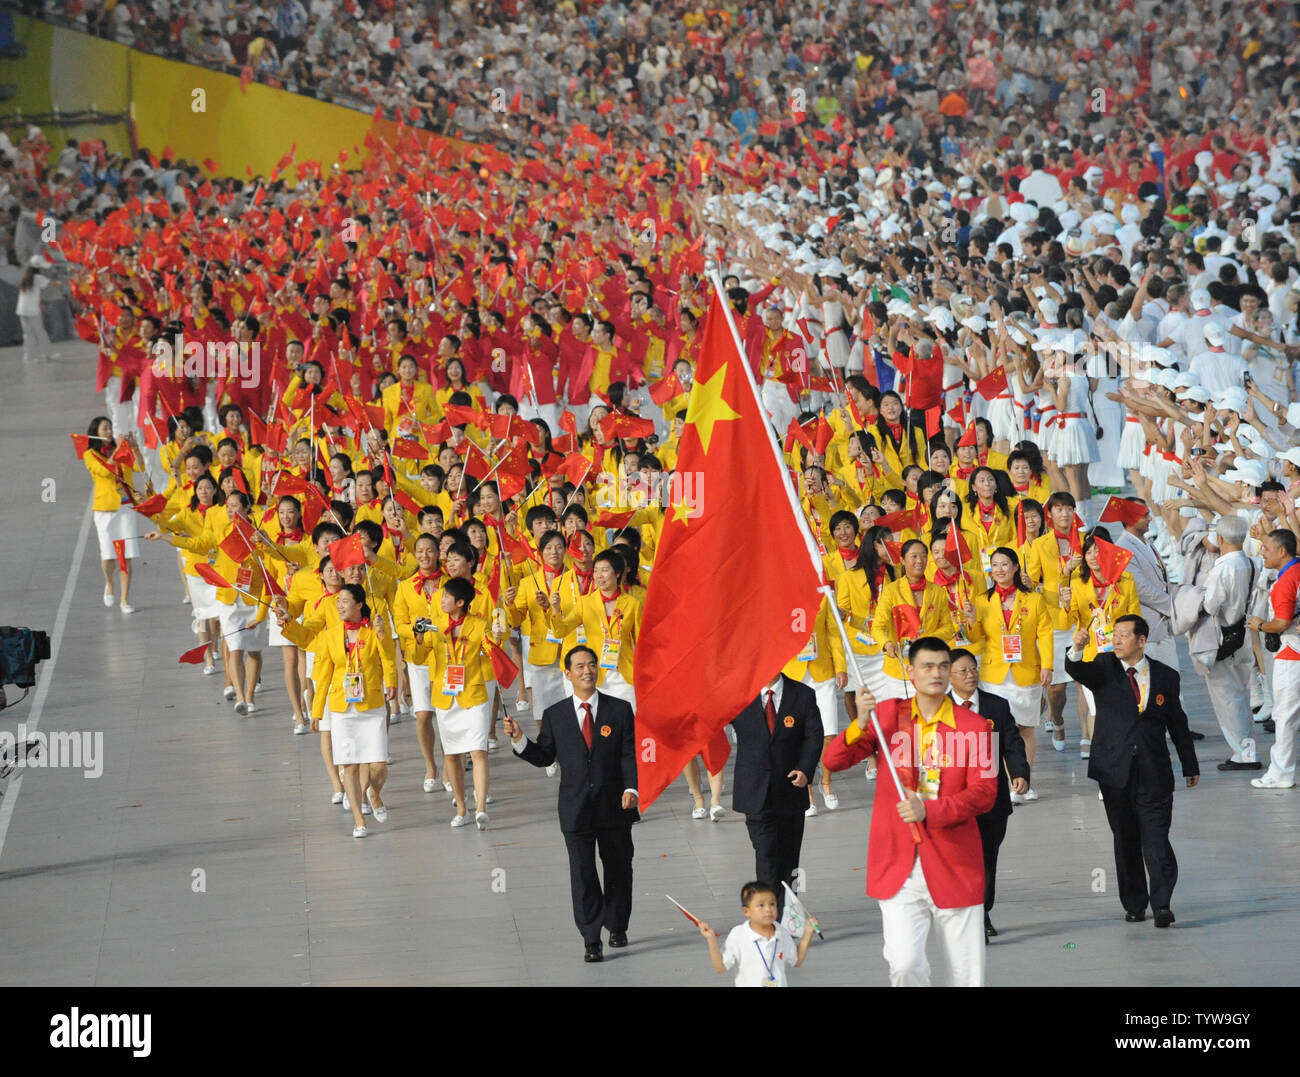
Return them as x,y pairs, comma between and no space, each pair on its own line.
20,650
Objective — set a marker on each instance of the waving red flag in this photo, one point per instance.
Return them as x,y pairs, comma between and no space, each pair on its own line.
907,622
195,656
503,669
1122,510
707,646
665,389
346,552
993,383
1112,559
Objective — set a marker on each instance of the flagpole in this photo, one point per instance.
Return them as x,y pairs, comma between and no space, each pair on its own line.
875,724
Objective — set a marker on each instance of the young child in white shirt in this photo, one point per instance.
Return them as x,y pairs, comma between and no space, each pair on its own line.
759,949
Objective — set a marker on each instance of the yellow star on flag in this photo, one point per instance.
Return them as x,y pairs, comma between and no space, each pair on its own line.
707,406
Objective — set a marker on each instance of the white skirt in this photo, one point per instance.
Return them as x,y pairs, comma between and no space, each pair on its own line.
827,704
871,668
1021,699
548,685
274,637
117,526
1048,433
421,701
1131,443
203,599
1005,420
1076,443
465,729
359,736
614,685
238,629
1062,640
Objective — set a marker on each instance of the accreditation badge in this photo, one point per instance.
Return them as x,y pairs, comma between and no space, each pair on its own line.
609,651
809,652
1011,648
244,577
354,688
453,681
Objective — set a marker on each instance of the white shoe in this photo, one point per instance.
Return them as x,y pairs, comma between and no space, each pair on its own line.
381,815
521,705
229,691
481,819
249,708
430,785
553,770
127,608
1265,711
1085,749
365,809
209,670
1059,745
337,798
300,728
716,813
493,744
699,813
446,788
459,820
832,801
359,832
1271,781
870,774
810,812
185,601
108,600
347,804
1030,795
1017,798
241,708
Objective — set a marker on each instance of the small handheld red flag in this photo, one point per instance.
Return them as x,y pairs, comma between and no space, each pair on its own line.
1112,559
346,552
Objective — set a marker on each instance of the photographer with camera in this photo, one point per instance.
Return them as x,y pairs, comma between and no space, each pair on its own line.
1279,551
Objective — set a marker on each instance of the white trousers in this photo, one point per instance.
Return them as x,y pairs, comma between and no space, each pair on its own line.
1228,684
906,918
36,342
121,415
1286,713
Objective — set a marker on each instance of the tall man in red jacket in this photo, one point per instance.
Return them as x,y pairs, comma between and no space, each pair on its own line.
948,762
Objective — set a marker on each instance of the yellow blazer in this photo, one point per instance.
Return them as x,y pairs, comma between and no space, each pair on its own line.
934,616
424,405
1043,564
626,619
823,655
853,597
1036,641
375,662
109,493
1120,600
469,648
530,613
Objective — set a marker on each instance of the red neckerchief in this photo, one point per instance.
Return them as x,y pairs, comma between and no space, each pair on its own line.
1003,592
895,431
982,455
918,587
987,515
356,626
421,580
1021,489
584,581
849,553
945,580
291,536
203,509
966,472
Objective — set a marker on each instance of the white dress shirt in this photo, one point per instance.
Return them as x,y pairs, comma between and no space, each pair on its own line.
1141,665
972,704
775,689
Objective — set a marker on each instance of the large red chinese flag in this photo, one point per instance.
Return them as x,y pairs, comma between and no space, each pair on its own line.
735,586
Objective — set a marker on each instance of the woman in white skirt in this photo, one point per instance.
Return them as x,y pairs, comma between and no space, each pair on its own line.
356,676
115,519
193,519
289,532
1012,631
456,654
413,601
528,608
1075,444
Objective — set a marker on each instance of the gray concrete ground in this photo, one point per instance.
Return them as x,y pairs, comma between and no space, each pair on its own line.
101,877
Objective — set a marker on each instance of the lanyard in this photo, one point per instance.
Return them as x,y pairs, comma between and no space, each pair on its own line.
770,966
452,658
614,621
353,650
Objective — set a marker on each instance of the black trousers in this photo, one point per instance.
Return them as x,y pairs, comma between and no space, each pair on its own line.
595,906
1140,820
777,839
992,831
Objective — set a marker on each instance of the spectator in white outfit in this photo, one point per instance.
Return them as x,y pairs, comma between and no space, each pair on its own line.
36,342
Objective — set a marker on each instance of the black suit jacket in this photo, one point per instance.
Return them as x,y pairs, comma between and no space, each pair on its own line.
1119,727
1011,748
763,760
591,782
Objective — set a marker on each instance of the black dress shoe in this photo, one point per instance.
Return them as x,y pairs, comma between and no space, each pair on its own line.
618,939
1135,917
1229,764
1164,917
1269,725
990,932
594,952
1196,735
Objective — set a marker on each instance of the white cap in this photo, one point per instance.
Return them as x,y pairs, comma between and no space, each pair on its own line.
1023,212
1232,399
1251,472
1200,299
1292,454
964,183
1214,335
1199,393
1050,310
1185,379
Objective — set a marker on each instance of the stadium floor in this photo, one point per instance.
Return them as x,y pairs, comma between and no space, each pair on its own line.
99,875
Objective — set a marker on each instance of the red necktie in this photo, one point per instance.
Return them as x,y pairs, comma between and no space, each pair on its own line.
770,711
1137,688
586,724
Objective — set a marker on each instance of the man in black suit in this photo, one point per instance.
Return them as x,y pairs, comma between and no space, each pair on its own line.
592,736
778,744
1137,700
1012,761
